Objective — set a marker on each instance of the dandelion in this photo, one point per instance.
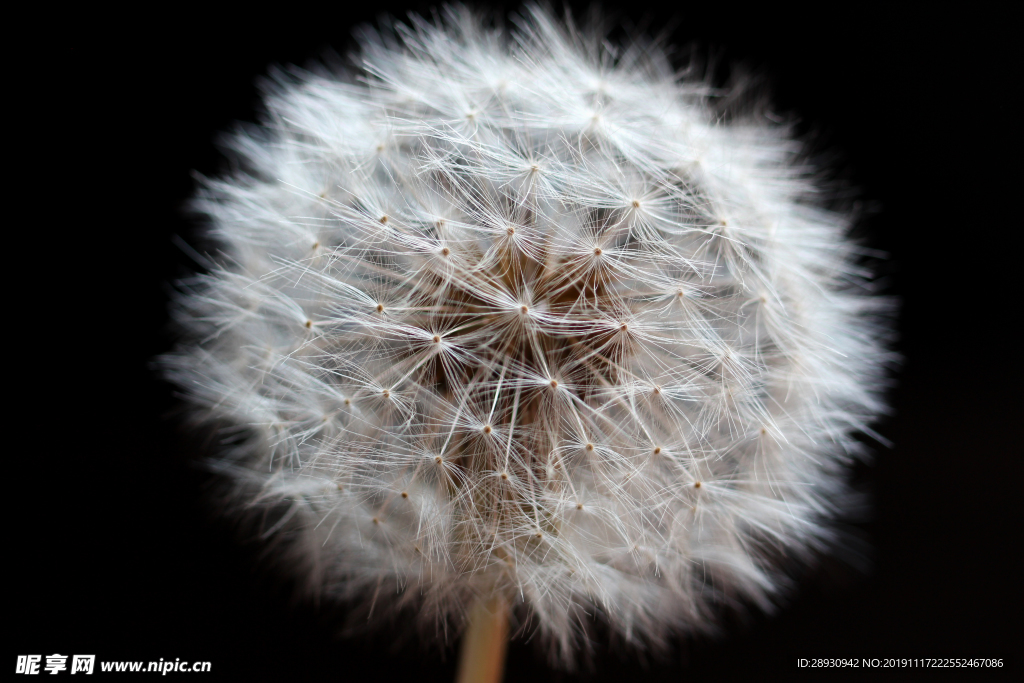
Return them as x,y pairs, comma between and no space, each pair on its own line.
515,327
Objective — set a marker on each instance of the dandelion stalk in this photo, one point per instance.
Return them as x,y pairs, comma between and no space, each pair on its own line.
484,642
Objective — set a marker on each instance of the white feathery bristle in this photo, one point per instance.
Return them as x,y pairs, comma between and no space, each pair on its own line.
521,314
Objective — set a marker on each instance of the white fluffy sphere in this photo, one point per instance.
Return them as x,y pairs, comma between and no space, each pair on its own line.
521,315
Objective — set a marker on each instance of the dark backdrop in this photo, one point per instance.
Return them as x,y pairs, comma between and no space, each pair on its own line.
114,550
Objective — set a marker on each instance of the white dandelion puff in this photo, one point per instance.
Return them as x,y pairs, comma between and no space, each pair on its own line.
519,317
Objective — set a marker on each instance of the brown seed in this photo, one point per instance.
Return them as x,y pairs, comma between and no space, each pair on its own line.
590,447
696,484
384,220
597,251
504,475
309,324
405,494
636,203
380,308
437,340
487,429
657,450
554,384
446,251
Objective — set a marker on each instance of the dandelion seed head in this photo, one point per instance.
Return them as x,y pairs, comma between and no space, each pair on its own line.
619,274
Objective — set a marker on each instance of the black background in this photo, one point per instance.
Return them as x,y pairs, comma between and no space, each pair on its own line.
114,549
